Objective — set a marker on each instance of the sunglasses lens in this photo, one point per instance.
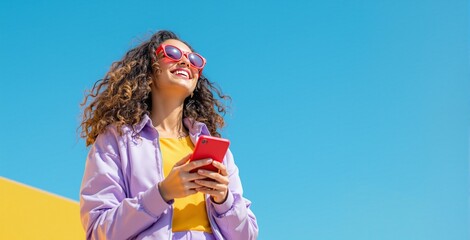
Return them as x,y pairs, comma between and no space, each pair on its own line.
173,53
196,60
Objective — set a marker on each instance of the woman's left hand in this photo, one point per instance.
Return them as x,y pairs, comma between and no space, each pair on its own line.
216,184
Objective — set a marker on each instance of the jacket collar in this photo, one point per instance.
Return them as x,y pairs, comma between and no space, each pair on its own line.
195,128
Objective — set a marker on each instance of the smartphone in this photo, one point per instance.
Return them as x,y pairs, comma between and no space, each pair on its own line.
210,147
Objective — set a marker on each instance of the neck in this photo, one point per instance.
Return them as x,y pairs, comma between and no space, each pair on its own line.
167,116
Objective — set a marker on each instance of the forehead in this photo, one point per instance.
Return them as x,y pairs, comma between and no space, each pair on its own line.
177,44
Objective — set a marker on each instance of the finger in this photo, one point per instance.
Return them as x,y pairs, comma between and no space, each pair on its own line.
182,161
214,176
196,164
193,176
217,196
192,185
190,192
211,184
209,191
221,167
203,189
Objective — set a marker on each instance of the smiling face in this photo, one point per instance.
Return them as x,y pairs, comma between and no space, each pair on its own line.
175,78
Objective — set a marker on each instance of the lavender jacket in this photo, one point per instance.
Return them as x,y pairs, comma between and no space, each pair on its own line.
119,196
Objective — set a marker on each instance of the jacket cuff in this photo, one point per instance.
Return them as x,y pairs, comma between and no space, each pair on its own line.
224,207
153,202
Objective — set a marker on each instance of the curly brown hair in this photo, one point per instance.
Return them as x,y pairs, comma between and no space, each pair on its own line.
123,96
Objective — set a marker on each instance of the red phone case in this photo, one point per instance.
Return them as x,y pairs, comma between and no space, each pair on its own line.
210,147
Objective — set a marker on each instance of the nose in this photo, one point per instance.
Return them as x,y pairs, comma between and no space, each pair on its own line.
185,60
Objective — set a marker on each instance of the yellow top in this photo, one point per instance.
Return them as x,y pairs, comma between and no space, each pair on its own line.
189,212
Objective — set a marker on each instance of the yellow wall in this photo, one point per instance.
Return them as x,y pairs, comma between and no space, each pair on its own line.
29,213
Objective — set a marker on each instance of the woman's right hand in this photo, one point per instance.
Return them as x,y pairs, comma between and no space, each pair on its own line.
180,182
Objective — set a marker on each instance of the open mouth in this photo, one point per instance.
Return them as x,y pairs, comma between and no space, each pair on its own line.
183,73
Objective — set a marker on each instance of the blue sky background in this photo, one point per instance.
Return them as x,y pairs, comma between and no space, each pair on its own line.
349,120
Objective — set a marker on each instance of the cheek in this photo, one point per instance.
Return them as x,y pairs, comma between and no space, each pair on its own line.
195,73
165,63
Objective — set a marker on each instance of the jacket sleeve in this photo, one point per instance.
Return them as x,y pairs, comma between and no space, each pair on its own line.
234,217
106,212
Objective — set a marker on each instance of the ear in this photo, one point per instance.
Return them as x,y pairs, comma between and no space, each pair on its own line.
156,67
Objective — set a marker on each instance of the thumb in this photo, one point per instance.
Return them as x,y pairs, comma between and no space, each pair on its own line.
183,160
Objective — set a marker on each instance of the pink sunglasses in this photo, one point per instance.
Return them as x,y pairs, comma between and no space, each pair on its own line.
175,54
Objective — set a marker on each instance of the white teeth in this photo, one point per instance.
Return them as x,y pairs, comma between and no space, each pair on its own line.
178,72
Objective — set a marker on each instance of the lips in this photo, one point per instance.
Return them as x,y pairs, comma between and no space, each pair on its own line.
182,72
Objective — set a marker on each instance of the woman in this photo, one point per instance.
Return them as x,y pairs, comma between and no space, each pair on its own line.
142,122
